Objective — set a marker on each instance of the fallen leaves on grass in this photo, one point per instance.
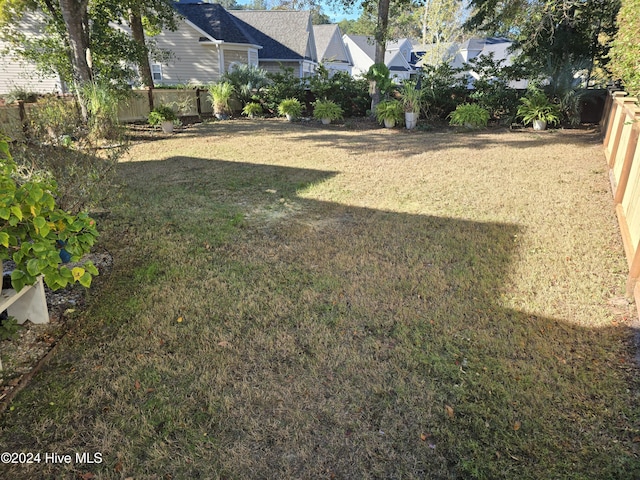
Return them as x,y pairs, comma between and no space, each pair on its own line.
449,410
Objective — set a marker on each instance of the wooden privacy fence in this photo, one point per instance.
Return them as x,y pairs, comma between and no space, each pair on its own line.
622,129
15,118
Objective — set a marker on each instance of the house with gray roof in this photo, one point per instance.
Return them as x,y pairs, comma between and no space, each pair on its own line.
207,43
286,38
331,50
397,56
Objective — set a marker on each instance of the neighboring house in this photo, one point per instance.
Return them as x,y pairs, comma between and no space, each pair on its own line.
433,54
207,43
331,50
478,47
397,56
286,37
17,73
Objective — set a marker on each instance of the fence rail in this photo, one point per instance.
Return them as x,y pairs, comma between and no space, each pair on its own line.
621,124
187,103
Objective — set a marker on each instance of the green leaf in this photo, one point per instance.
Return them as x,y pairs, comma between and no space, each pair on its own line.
18,280
39,222
5,213
16,211
33,267
91,268
85,280
4,239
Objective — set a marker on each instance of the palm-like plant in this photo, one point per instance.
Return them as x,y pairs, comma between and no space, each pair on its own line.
537,106
220,94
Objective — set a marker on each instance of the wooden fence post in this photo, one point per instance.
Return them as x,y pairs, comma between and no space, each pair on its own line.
612,115
629,155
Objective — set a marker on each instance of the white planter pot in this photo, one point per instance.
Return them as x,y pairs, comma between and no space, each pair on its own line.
167,127
389,123
290,117
326,121
410,120
539,125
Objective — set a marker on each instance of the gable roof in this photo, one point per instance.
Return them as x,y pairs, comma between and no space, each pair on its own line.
283,34
392,56
213,20
329,44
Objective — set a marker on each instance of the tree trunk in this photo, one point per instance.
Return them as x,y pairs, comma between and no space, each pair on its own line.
137,32
381,46
75,16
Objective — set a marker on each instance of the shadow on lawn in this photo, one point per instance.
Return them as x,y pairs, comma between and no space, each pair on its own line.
358,343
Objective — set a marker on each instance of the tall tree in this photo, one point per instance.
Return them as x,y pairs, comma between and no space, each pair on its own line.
441,24
555,36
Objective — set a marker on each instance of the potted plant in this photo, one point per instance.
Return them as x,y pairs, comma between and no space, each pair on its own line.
164,116
536,108
252,109
469,115
220,94
290,108
389,112
412,101
32,227
326,111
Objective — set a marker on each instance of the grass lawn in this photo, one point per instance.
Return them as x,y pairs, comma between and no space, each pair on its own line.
293,302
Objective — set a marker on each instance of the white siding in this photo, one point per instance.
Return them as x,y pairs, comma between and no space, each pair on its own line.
235,56
192,61
17,73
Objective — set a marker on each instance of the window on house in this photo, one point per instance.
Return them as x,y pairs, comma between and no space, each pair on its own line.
156,72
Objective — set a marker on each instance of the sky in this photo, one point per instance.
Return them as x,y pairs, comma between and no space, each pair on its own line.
335,12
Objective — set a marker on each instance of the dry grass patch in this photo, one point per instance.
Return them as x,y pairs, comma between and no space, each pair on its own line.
290,302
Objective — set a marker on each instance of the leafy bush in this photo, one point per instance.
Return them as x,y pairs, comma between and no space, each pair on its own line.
327,109
161,113
284,84
32,226
19,93
491,89
248,81
443,90
535,105
390,110
54,120
252,109
291,107
350,94
625,51
469,115
9,328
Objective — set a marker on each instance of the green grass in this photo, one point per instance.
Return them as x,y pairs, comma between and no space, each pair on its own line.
364,304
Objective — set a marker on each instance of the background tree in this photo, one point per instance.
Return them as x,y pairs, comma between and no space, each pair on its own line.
441,24
625,52
555,36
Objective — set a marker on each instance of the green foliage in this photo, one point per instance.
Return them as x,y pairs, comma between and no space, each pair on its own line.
101,101
552,32
19,93
412,97
284,84
327,109
535,105
248,81
252,109
291,107
161,113
32,227
352,95
389,110
220,94
380,74
625,51
9,328
443,90
469,115
491,89
55,119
